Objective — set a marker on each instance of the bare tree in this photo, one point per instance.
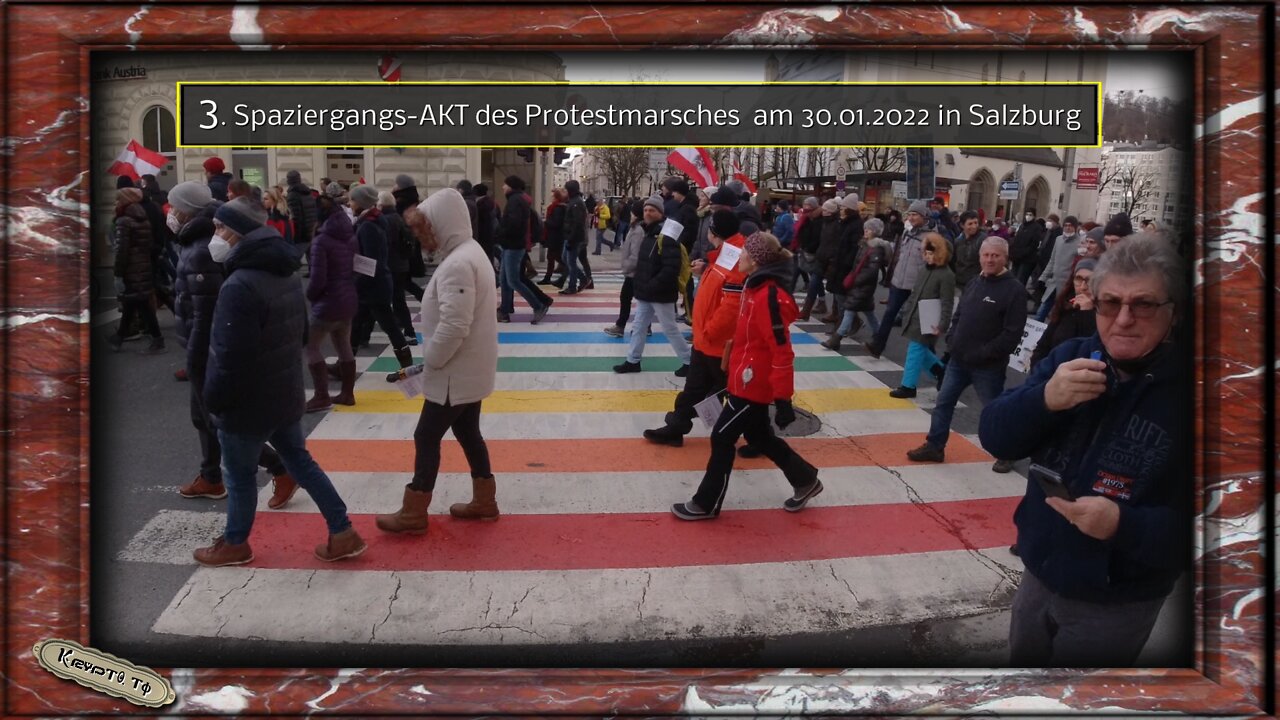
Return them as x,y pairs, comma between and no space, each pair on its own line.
1107,174
624,168
1135,187
879,159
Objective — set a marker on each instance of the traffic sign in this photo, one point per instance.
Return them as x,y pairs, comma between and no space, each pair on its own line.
1010,189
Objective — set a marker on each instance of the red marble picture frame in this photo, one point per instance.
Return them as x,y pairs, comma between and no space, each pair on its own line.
46,347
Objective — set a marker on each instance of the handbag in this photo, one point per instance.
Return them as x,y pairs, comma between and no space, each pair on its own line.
852,276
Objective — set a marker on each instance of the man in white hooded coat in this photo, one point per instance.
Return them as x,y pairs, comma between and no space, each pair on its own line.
460,328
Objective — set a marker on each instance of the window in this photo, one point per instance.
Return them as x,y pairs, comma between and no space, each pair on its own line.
951,159
158,131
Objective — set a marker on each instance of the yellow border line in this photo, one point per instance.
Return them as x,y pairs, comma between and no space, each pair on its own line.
679,83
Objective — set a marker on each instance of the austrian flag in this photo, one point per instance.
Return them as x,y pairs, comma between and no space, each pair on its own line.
137,161
696,163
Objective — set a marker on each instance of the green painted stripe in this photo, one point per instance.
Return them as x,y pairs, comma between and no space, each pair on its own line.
603,364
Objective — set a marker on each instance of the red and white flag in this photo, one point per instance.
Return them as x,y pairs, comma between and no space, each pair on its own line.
389,68
137,161
746,179
696,163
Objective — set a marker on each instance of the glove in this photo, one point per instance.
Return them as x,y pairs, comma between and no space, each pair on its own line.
785,414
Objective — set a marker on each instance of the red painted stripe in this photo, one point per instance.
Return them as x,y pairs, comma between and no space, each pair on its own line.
534,456
591,542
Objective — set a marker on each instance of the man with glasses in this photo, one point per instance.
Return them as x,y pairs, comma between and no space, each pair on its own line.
1104,529
986,327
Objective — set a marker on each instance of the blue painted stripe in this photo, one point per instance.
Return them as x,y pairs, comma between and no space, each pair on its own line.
598,338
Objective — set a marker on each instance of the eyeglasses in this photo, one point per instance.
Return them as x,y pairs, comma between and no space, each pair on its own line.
1081,278
1144,309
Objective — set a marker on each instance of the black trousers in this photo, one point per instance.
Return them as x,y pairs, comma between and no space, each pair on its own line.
399,286
624,301
582,260
138,308
210,448
367,315
435,420
743,417
705,378
554,251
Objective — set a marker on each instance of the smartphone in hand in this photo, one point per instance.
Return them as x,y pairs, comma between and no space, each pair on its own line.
1050,482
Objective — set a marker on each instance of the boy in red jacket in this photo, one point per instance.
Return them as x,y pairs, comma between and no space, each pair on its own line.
761,372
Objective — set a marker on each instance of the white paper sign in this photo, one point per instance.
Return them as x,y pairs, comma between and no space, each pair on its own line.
709,410
411,387
672,229
365,265
729,255
899,188
1020,360
930,312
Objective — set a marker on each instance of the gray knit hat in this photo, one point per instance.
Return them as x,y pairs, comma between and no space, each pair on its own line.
242,215
336,192
190,196
1096,235
404,182
654,200
921,207
850,202
875,225
293,177
364,196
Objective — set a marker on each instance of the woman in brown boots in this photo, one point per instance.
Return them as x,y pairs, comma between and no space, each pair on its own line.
460,329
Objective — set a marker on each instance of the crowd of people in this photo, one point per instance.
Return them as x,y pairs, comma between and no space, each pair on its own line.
1106,503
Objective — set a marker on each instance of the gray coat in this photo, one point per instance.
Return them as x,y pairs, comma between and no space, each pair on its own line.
910,259
1059,267
934,283
631,250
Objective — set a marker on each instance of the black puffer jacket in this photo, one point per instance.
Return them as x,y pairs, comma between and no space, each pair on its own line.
254,379
967,260
575,222
828,244
302,210
870,262
400,241
850,229
687,216
514,229
371,237
657,274
218,185
197,285
133,251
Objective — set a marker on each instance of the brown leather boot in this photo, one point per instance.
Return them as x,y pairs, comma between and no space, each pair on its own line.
411,518
833,342
347,396
808,308
320,379
483,506
345,544
335,373
282,490
833,316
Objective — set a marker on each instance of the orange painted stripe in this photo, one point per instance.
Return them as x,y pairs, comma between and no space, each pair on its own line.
644,540
562,456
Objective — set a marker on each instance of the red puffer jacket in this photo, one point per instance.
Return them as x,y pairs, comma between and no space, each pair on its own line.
761,361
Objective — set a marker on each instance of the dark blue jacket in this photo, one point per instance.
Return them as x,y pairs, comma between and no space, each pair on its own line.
218,185
253,384
1131,445
989,321
371,237
196,288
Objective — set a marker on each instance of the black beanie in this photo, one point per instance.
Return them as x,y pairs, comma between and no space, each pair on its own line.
725,223
515,183
1119,225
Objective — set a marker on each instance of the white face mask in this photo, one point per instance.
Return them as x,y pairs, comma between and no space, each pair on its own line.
1028,218
172,221
1051,224
908,224
1081,249
219,248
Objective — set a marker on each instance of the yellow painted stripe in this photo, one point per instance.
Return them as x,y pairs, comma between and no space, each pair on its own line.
538,401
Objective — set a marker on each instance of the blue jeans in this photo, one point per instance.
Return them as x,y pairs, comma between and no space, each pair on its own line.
513,279
577,277
1049,296
988,382
240,471
601,241
919,357
897,298
666,315
846,322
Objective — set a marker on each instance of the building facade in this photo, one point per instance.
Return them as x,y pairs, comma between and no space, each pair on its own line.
1149,182
134,98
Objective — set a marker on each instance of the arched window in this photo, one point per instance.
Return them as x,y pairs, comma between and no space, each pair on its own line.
158,131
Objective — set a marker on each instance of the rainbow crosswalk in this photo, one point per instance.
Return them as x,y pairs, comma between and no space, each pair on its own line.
586,550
